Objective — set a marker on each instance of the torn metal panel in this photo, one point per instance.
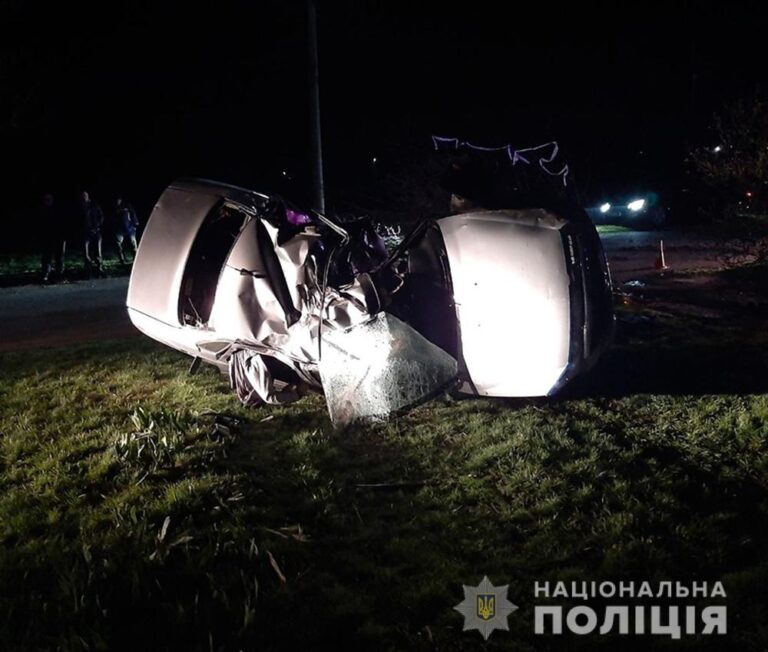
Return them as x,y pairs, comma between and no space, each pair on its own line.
253,382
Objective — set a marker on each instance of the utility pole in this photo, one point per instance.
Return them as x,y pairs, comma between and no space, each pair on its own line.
318,188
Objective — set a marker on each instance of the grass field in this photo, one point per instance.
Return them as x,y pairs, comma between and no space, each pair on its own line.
23,268
612,228
283,534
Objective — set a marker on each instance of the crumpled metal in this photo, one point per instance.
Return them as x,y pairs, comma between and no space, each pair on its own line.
253,383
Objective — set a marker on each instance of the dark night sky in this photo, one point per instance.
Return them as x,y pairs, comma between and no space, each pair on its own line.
126,97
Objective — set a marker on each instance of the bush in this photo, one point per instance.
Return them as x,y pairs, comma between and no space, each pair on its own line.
737,161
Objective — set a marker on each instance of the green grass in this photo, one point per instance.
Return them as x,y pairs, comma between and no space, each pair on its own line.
108,545
612,228
23,268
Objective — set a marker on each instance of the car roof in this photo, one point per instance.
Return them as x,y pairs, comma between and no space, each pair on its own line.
176,219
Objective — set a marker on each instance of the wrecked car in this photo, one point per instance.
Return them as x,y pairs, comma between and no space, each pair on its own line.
511,303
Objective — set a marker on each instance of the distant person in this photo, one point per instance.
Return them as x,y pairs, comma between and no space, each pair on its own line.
126,226
92,221
53,230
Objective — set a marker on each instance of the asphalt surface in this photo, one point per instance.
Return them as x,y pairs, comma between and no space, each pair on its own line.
55,315
34,316
634,254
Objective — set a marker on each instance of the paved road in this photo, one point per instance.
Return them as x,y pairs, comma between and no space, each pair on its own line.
51,315
34,316
634,253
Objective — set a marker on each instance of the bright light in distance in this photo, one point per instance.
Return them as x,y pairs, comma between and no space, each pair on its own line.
717,149
605,207
636,205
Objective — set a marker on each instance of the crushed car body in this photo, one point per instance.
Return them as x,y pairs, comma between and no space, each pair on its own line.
508,303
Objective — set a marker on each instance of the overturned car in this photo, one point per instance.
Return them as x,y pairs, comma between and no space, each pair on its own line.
489,303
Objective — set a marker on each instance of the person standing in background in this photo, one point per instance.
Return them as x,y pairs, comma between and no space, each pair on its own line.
126,226
53,231
92,221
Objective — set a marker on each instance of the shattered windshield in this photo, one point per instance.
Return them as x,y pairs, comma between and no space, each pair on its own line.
380,367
